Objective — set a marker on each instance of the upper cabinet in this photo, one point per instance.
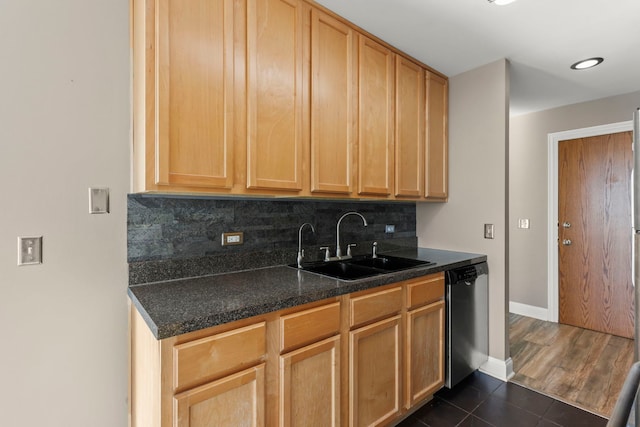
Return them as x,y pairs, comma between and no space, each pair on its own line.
280,98
275,90
333,108
375,118
436,145
409,127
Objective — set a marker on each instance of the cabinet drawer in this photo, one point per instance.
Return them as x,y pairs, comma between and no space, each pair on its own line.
308,326
378,305
218,355
425,290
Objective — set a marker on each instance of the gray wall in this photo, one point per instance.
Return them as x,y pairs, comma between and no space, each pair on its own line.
528,186
478,129
64,127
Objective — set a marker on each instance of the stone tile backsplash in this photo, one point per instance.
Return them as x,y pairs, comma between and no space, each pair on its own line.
171,237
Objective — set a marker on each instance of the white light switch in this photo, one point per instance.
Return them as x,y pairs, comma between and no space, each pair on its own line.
98,200
488,231
29,250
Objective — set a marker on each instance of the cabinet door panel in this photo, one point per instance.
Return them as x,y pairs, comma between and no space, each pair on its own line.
310,385
374,383
275,94
424,353
375,118
409,125
437,145
194,123
237,400
332,104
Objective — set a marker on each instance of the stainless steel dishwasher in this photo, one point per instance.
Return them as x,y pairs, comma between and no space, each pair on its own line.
467,326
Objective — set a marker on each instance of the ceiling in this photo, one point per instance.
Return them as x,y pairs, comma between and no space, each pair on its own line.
540,38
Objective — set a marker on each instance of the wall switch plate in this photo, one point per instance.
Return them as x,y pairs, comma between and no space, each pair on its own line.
98,200
390,228
523,223
236,238
29,250
488,231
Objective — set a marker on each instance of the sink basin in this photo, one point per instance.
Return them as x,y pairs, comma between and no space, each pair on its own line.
342,270
361,267
388,263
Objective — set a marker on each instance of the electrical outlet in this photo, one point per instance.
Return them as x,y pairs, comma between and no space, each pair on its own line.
29,250
523,223
390,228
229,239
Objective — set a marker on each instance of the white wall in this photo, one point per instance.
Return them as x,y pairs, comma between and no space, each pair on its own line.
478,129
528,186
64,126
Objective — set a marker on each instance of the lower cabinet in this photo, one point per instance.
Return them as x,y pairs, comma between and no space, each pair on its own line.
375,374
363,359
310,385
232,401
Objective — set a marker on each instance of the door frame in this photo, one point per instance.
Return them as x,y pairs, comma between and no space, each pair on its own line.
552,214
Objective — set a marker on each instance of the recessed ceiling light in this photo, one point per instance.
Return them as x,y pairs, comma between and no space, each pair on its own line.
501,2
586,63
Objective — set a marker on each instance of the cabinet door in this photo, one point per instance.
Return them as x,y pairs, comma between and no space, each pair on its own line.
310,385
275,94
375,118
332,104
409,125
236,400
424,364
437,145
374,375
194,103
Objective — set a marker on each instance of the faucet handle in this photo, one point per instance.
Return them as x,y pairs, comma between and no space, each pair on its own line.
375,250
326,252
349,246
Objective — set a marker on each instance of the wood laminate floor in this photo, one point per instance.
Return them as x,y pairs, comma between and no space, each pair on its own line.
578,366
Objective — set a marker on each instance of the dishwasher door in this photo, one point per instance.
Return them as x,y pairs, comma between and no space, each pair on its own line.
467,323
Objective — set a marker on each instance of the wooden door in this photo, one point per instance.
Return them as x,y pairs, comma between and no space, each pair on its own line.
333,107
375,118
275,91
594,213
236,400
409,126
436,186
310,385
374,375
194,122
424,352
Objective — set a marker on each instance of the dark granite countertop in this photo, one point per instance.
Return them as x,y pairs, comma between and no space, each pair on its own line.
179,306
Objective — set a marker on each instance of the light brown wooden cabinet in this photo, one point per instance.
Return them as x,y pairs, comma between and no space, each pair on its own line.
280,97
360,359
437,151
424,344
333,107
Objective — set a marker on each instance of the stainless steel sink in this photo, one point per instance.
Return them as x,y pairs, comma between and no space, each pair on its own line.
362,267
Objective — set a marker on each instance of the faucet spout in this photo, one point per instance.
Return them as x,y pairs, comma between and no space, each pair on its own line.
338,249
300,250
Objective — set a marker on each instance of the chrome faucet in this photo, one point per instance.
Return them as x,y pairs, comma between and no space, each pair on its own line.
338,250
300,250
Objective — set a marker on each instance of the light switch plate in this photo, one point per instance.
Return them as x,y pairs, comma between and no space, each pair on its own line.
29,250
488,231
98,200
523,223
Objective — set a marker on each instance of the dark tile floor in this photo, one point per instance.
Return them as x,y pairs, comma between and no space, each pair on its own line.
481,400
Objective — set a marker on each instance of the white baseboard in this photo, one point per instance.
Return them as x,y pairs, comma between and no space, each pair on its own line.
500,369
529,310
